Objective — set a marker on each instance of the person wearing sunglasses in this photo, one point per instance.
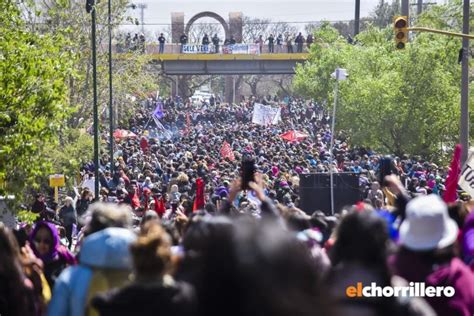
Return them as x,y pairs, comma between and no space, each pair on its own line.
44,240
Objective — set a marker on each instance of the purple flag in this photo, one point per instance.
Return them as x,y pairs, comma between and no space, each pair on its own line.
158,113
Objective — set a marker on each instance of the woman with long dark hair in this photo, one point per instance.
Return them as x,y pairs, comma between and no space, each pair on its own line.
16,291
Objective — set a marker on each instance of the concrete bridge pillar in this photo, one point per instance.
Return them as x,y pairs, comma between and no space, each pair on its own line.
231,90
177,26
236,25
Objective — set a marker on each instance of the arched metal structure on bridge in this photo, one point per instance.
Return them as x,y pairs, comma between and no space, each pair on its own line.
233,27
208,14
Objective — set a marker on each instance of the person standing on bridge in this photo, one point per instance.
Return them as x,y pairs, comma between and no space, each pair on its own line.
289,43
271,44
309,40
299,43
162,41
259,41
183,40
141,42
279,43
205,42
215,41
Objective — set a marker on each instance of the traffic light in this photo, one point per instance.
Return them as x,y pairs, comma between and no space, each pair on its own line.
400,26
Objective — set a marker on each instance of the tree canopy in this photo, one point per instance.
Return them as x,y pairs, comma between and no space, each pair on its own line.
33,97
396,101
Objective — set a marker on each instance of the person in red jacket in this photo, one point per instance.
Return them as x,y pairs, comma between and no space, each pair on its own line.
144,144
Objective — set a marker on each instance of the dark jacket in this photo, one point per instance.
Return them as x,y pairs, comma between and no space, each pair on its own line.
175,299
68,215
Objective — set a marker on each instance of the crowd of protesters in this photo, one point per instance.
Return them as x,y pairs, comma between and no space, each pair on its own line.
178,231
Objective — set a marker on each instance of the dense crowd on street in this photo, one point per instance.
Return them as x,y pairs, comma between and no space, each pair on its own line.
177,230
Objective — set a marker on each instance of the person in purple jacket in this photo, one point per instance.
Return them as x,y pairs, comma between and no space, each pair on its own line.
428,254
44,241
468,241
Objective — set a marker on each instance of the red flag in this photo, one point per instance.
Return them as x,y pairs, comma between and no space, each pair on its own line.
160,208
294,136
188,124
199,200
226,151
450,195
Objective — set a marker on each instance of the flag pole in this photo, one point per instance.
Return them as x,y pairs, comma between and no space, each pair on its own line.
331,148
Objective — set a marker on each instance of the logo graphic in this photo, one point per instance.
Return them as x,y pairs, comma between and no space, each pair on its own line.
415,289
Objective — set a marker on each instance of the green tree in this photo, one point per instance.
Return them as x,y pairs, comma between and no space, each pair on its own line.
394,101
132,73
33,98
384,12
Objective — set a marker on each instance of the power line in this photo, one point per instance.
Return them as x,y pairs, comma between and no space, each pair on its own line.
252,23
218,23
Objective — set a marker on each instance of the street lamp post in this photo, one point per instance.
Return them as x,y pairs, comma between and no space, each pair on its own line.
111,109
357,18
339,74
465,84
405,7
90,8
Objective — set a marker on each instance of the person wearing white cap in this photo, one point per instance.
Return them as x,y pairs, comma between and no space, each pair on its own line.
427,254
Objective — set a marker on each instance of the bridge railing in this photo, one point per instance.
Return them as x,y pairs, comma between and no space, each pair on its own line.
153,48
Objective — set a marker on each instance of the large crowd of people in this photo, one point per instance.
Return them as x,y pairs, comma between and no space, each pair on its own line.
180,229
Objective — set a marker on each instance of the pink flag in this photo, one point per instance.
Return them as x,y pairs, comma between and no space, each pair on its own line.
226,151
453,176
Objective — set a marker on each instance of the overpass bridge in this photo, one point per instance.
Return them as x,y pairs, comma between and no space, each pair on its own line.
175,63
222,64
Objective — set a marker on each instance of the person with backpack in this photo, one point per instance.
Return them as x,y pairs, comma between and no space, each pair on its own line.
153,290
104,262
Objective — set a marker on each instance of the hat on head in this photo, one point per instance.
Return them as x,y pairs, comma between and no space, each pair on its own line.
427,224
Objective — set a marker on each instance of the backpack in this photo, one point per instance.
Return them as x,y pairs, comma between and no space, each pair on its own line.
104,280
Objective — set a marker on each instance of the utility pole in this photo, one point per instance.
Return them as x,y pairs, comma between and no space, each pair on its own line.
142,7
111,108
419,7
357,18
331,147
90,8
339,74
405,8
464,139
